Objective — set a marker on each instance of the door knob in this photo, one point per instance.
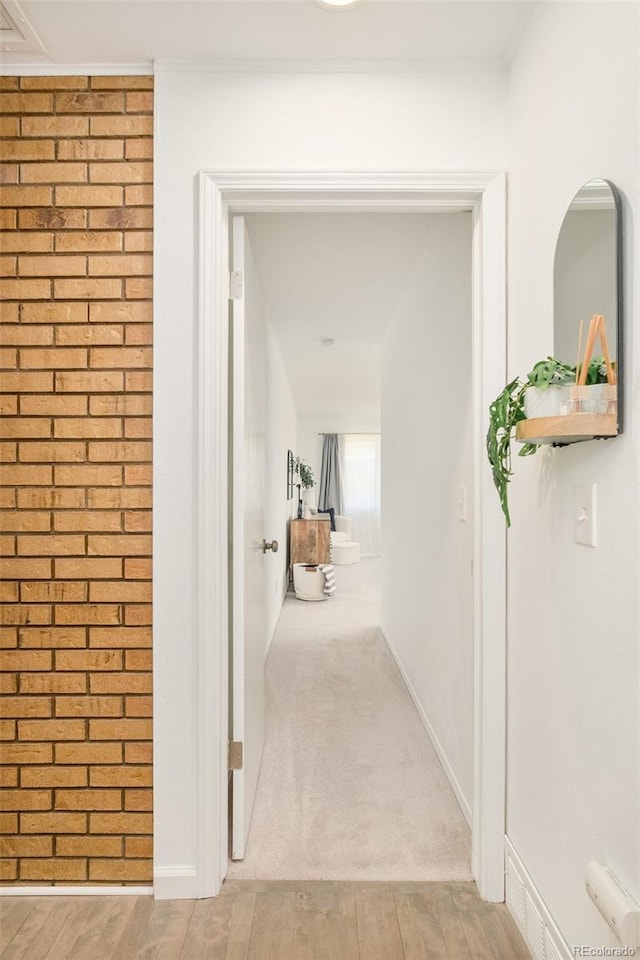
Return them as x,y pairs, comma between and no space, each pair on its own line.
270,546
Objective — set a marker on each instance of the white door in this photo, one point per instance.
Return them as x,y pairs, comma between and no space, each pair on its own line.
248,491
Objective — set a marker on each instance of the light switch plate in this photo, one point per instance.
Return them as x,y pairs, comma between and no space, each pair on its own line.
584,514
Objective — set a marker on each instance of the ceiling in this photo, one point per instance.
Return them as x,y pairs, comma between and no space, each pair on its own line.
140,31
338,276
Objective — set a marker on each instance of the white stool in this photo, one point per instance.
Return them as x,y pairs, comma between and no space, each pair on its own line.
308,582
345,551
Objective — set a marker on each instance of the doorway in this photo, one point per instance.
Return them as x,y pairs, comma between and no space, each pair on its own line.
484,195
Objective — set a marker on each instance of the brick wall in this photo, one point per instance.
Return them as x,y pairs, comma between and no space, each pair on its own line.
75,354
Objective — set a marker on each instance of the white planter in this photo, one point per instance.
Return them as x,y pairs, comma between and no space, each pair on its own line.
552,402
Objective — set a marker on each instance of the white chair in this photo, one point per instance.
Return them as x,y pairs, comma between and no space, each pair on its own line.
343,549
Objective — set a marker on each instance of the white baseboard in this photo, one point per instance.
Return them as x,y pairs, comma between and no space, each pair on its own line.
75,891
175,883
437,746
530,912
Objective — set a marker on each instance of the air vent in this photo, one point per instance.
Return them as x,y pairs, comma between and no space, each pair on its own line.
16,33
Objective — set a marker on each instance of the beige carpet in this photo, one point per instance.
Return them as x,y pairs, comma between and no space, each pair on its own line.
350,787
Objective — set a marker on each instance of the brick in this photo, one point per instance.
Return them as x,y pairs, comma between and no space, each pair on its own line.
83,289
88,800
9,83
54,83
8,451
122,83
138,660
88,102
53,266
7,729
138,381
122,823
126,545
8,778
120,592
71,520
8,268
139,149
8,405
20,568
102,613
87,427
26,846
9,126
120,683
53,822
23,613
98,660
55,313
51,452
17,660
26,706
137,356
138,847
120,312
11,196
55,869
121,776
138,614
8,823
54,683
89,381
138,241
23,475
90,706
25,799
20,381
129,126
51,218
137,569
54,592
7,545
118,451
120,406
126,172
53,172
90,568
23,335
55,126
122,497
27,150
121,265
54,406
83,196
26,753
121,218
22,242
9,173
8,218
78,475
25,289
35,638
88,753
25,520
88,240
51,545
53,729
138,195
139,102
54,776
138,752
27,103
139,871
117,729
8,869
8,592
89,846
51,498
138,707
91,150
138,800
90,335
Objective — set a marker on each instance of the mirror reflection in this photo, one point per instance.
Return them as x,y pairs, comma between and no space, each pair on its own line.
586,271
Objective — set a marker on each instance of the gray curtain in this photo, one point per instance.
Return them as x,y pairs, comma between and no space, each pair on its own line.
330,490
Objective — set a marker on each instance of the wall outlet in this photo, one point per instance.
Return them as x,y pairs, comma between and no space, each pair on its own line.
584,514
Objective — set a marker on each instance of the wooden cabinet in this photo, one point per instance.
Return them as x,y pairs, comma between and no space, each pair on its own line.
309,541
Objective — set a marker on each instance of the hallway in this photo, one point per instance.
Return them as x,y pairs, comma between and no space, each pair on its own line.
350,787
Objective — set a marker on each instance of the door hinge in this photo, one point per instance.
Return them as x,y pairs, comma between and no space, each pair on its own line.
236,284
235,754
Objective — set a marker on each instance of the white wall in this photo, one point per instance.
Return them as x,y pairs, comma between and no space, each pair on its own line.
427,586
436,120
573,720
281,437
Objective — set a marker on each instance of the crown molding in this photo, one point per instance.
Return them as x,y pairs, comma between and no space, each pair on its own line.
436,67
75,69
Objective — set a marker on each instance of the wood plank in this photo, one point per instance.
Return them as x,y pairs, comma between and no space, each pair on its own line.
272,928
166,931
519,949
422,938
68,924
103,928
208,929
440,898
325,925
466,904
132,937
240,926
378,931
13,913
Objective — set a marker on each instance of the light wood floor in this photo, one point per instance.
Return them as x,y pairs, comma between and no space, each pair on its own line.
266,920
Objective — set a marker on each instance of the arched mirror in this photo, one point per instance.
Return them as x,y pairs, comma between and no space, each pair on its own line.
587,285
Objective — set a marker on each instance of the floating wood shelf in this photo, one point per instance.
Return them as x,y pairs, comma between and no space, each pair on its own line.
568,429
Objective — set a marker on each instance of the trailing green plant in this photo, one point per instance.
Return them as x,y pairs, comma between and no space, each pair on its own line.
508,408
304,473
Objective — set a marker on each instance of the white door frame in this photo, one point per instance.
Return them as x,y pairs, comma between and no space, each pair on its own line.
484,193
